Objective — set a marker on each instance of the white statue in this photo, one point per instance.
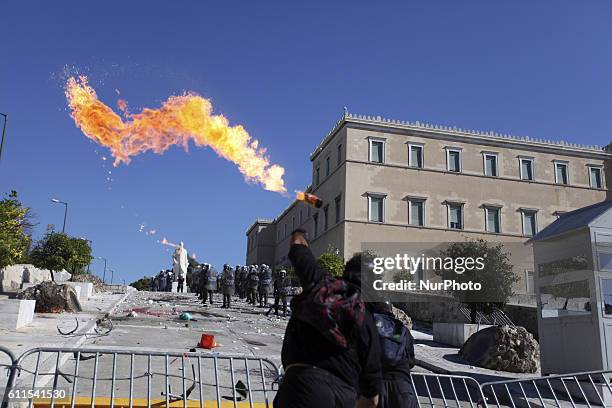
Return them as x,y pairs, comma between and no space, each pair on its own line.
179,260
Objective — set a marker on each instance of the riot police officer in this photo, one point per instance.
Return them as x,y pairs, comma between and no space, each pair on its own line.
210,283
252,284
265,285
282,286
227,285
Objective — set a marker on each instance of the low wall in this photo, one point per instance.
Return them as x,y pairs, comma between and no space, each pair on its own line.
12,277
430,308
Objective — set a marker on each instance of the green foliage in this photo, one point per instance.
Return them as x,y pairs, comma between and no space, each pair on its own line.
331,262
81,256
144,283
402,275
497,277
57,251
15,227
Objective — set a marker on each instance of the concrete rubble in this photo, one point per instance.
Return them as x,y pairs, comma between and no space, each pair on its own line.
503,348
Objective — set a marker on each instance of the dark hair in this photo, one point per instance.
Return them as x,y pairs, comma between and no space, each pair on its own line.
352,269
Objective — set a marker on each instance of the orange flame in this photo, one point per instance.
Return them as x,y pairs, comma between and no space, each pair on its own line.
179,120
309,198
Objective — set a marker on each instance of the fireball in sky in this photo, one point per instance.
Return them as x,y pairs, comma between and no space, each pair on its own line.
180,119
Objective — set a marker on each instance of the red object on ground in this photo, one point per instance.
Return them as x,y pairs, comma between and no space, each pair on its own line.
207,341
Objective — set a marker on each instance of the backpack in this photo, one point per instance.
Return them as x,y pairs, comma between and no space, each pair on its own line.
332,306
394,337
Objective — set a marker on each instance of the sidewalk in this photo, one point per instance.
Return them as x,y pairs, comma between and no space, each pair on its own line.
43,329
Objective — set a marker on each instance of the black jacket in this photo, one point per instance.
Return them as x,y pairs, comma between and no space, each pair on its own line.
359,365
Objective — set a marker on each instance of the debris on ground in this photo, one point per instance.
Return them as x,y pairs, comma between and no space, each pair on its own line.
71,331
503,348
52,298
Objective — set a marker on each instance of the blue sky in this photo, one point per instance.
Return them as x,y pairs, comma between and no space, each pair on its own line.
284,70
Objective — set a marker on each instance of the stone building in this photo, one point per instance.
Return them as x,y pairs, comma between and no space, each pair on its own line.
394,181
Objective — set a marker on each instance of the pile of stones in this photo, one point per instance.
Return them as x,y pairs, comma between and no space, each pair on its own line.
503,348
52,298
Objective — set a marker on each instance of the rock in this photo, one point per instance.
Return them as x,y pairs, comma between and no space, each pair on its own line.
52,298
402,317
503,348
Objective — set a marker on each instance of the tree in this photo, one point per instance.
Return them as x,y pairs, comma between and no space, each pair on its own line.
81,256
15,228
57,251
144,283
496,277
331,262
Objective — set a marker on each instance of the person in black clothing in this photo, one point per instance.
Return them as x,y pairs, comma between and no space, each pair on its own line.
319,373
397,390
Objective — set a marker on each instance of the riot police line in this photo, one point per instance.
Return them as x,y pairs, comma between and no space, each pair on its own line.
256,285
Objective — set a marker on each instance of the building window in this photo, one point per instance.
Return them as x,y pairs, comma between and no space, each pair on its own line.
377,150
301,217
416,211
318,175
415,156
490,164
455,216
529,282
278,235
453,160
376,207
595,176
285,230
526,168
327,167
493,219
337,203
325,217
561,175
339,154
529,222
293,223
315,219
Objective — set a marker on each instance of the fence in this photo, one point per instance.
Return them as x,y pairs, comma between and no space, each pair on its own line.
121,378
56,377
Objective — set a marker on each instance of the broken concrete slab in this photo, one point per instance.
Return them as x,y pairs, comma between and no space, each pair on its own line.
16,313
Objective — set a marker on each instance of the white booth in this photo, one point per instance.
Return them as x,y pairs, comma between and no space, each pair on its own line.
573,282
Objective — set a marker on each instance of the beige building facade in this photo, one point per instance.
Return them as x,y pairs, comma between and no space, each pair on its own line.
394,181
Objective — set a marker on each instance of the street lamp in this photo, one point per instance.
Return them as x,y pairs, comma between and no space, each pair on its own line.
3,132
104,275
55,200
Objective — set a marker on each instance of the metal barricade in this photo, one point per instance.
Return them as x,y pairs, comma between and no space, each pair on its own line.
8,370
585,389
128,378
438,390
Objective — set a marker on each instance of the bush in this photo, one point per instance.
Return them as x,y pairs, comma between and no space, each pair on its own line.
331,262
145,283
